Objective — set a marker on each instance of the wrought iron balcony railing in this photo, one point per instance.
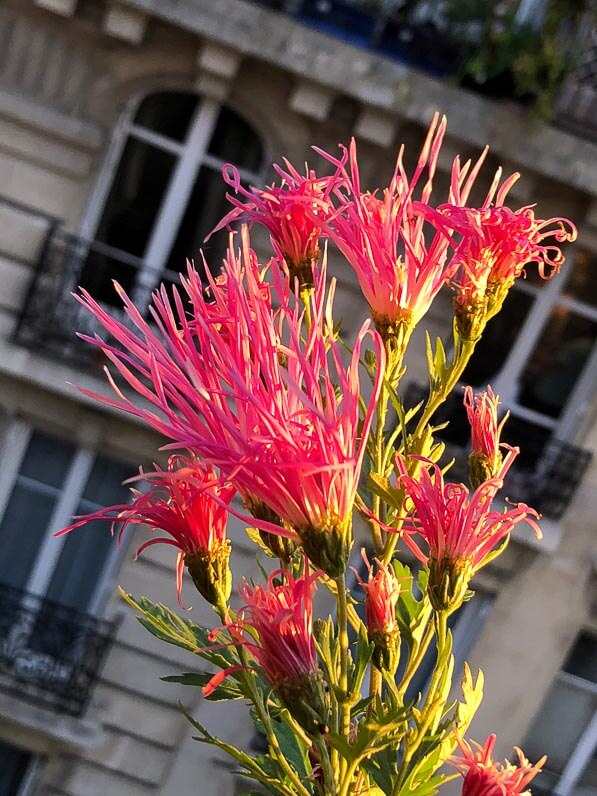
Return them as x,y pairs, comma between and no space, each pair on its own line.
545,475
51,318
49,654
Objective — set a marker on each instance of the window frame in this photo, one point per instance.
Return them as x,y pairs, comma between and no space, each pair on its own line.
191,154
13,449
506,381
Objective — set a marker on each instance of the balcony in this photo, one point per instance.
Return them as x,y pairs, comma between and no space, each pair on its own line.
49,654
543,60
50,316
546,473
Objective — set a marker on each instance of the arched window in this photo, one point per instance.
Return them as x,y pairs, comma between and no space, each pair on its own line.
161,191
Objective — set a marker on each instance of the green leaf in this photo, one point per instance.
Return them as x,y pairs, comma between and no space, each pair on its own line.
168,626
228,689
380,486
293,749
255,537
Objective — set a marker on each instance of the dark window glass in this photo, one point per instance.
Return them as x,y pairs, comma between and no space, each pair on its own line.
47,459
499,337
136,196
557,361
85,552
30,506
168,113
582,660
582,282
207,205
127,222
13,767
234,141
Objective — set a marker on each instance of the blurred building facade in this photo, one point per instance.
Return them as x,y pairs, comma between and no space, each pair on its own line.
116,117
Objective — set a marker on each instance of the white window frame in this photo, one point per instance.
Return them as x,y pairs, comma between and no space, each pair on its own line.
12,452
506,381
192,155
585,748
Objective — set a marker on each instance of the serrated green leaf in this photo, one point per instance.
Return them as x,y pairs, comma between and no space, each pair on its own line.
168,626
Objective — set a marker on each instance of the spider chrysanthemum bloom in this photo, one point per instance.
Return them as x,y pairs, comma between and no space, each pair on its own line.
485,460
483,776
460,530
241,385
188,502
496,244
292,211
275,625
400,260
382,591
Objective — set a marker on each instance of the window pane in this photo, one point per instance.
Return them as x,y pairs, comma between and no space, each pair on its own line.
13,767
207,204
557,361
47,459
25,522
559,724
582,660
24,527
234,141
136,196
499,337
168,113
104,486
582,282
86,551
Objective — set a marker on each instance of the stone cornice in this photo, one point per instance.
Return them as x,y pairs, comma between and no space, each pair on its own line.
384,84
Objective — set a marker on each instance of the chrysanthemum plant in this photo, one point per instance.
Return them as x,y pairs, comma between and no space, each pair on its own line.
306,437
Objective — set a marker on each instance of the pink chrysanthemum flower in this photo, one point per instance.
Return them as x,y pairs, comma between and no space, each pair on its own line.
276,626
292,211
400,261
238,385
382,591
187,501
460,530
496,245
485,460
485,777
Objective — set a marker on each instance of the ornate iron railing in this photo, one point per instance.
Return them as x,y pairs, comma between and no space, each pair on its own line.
49,654
546,474
51,318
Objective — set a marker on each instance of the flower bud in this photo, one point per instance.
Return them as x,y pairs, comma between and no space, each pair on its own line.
448,583
328,548
210,572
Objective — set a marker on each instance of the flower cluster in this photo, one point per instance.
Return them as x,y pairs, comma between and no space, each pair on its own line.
245,375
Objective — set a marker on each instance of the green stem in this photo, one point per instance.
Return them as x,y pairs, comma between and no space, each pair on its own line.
343,697
431,708
415,659
461,358
329,779
305,295
262,712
